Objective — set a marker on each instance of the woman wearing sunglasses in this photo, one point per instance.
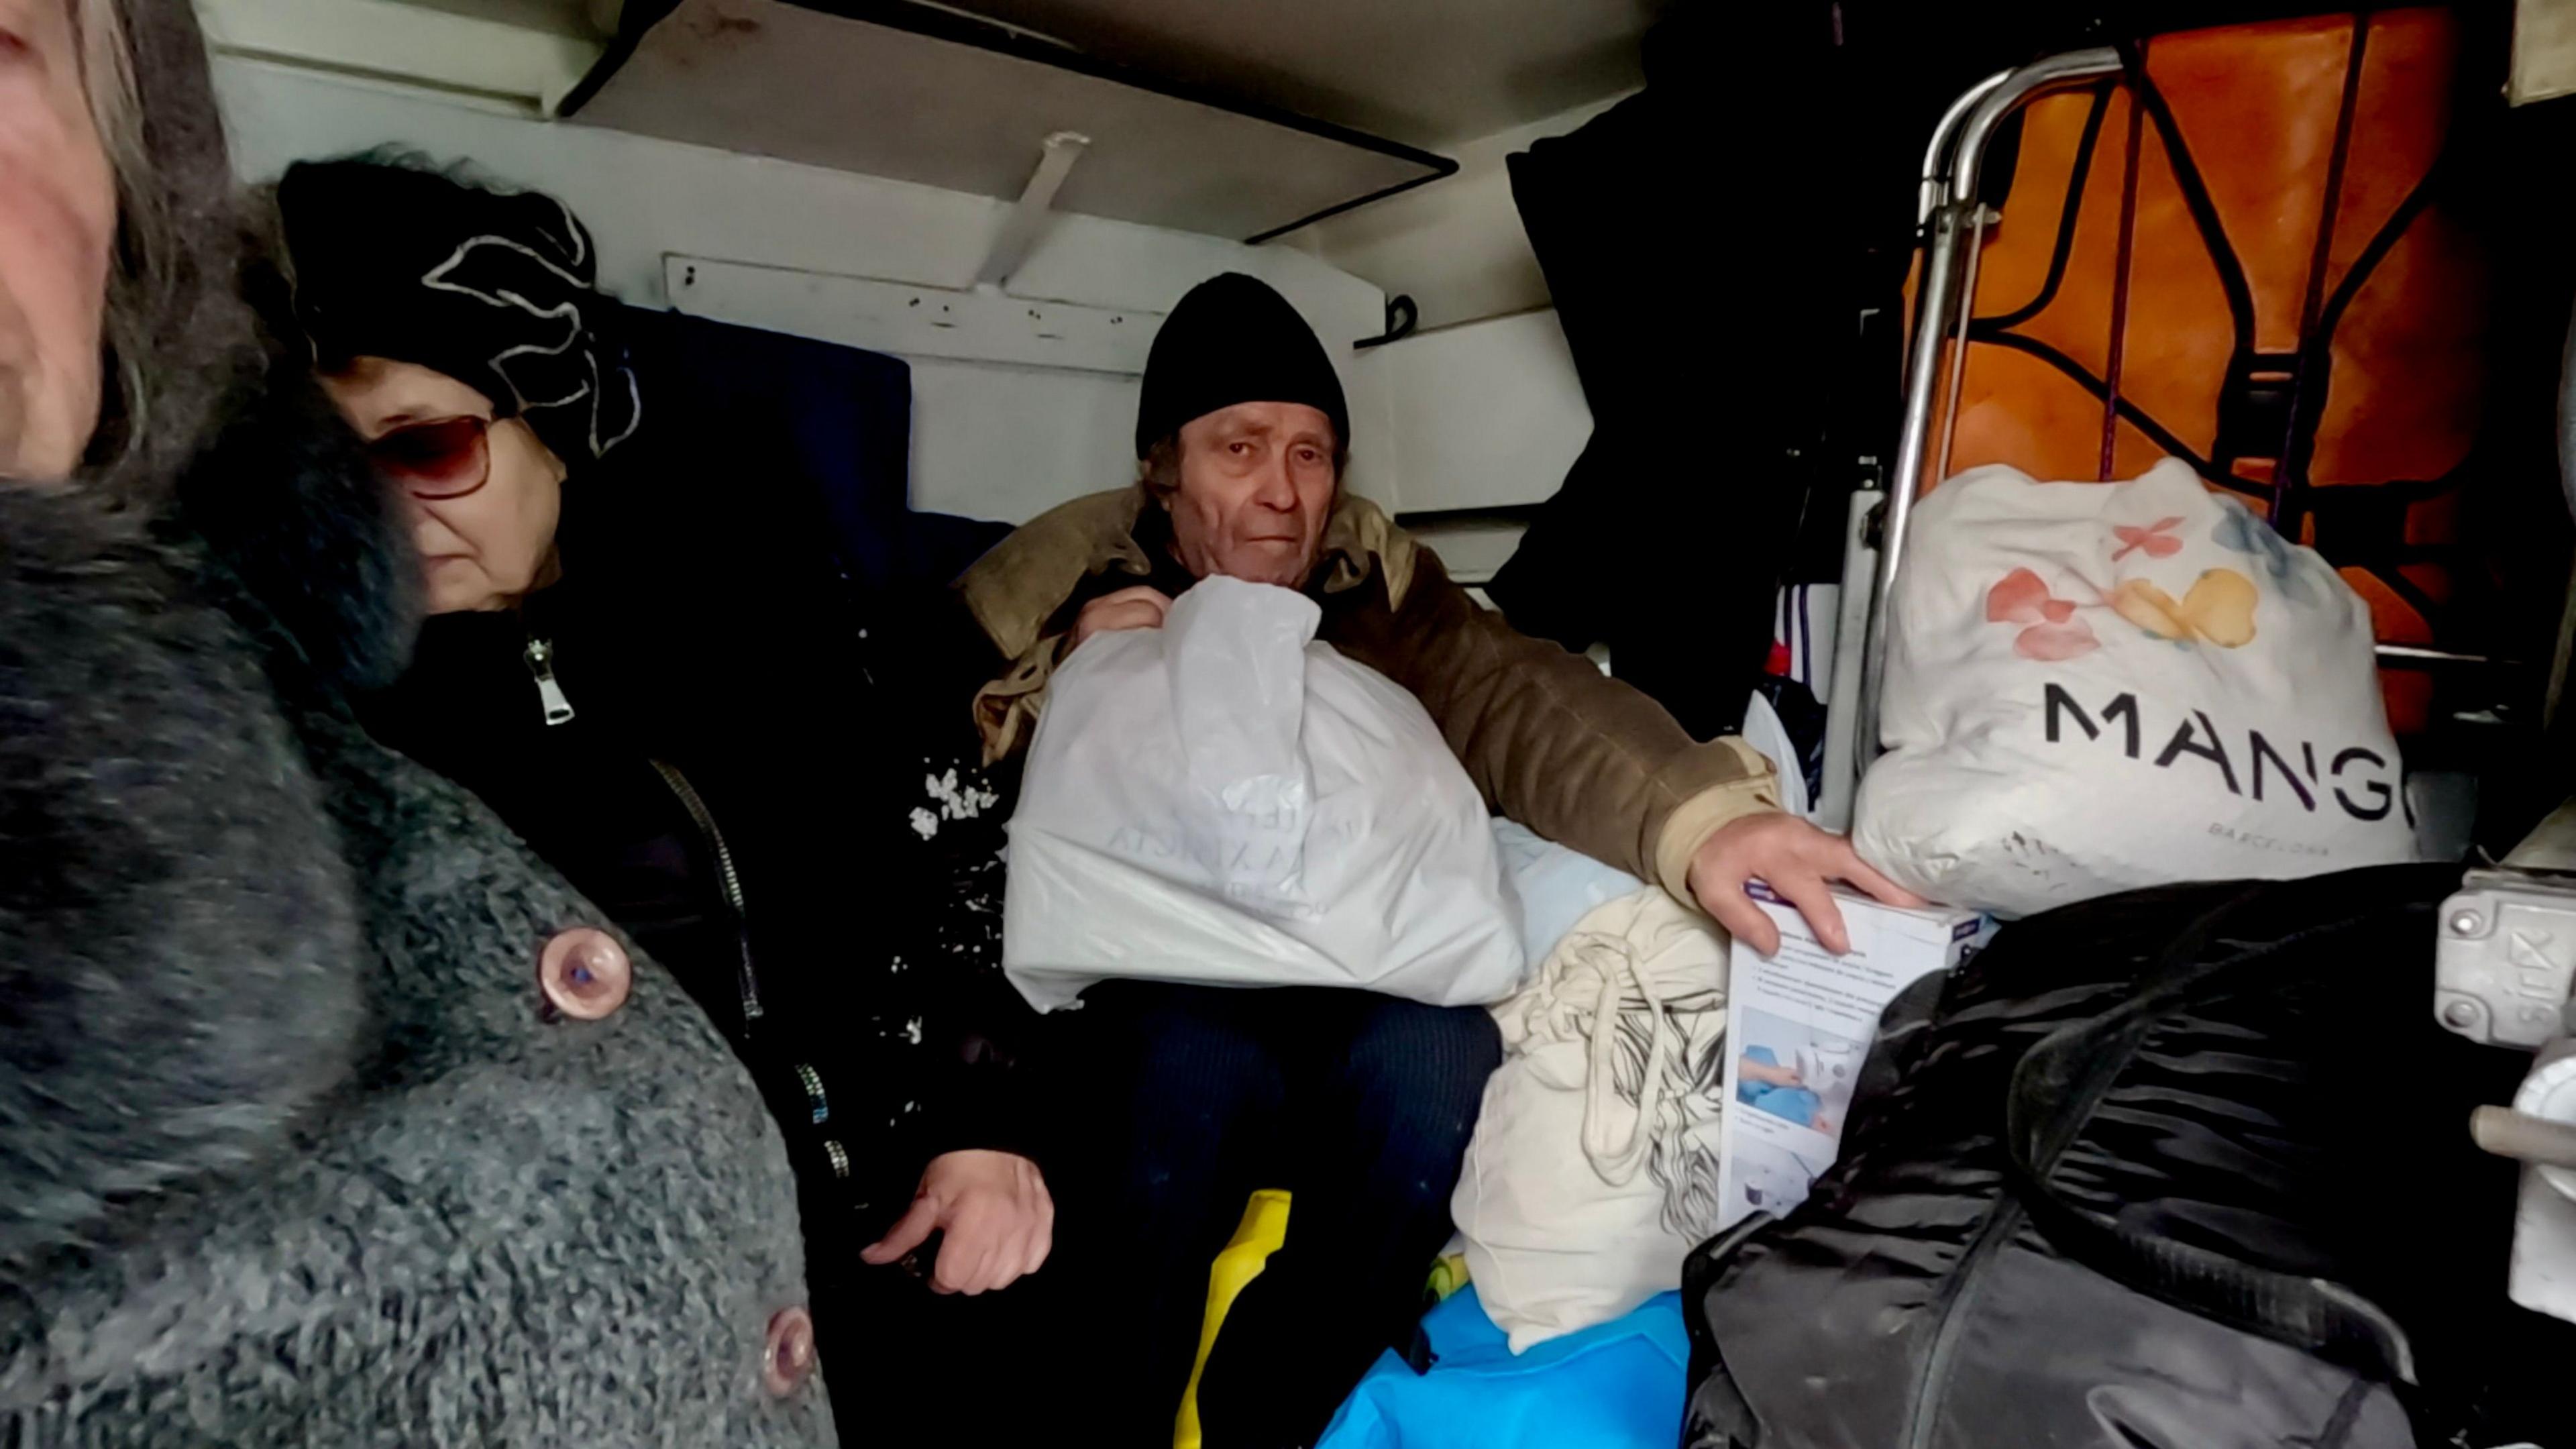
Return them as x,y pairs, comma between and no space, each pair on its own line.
639,661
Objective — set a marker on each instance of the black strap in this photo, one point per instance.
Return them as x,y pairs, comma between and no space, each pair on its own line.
2058,1085
2196,200
2070,212
2288,500
2308,373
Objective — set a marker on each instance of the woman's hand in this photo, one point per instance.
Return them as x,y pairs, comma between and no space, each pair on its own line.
1796,860
1137,608
996,1213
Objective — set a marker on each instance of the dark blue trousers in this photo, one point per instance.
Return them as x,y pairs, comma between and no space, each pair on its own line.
1176,1103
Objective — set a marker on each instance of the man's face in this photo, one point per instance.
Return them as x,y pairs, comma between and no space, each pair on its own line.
57,225
1257,483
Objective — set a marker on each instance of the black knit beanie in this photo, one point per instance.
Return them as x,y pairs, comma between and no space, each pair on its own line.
1234,340
496,289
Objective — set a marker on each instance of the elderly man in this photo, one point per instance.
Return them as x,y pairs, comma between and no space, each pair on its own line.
1184,1098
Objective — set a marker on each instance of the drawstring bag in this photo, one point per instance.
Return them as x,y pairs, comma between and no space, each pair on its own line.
2093,687
1226,801
1593,1169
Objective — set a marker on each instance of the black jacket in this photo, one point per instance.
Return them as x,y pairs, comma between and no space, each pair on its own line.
776,798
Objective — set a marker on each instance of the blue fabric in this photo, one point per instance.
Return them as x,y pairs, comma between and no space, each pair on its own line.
1789,1104
1556,887
1618,1385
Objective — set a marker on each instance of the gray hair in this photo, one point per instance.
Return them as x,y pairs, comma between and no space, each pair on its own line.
107,81
1160,469
177,340
106,63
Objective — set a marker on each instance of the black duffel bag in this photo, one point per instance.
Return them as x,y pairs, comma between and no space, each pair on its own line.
2178,1169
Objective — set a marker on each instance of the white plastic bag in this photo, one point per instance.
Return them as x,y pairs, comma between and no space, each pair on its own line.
2094,687
1226,801
1593,1170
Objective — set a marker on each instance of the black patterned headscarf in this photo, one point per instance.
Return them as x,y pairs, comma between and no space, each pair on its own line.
497,289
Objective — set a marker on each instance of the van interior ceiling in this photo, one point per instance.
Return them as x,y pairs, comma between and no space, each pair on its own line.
1010,199
1655,322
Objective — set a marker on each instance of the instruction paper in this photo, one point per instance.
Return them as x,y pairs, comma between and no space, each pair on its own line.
1800,1025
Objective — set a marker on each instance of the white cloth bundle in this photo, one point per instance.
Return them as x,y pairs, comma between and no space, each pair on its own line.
1593,1171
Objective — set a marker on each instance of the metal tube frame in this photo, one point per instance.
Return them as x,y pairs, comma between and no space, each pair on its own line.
1945,140
1943,305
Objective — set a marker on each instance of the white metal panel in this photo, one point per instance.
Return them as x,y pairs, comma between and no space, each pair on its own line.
1010,443
1426,71
770,78
644,198
1472,549
1488,415
2544,51
913,321
379,38
1018,405
587,18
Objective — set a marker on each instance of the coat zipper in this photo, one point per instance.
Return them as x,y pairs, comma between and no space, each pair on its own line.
540,655
1998,1229
730,881
727,878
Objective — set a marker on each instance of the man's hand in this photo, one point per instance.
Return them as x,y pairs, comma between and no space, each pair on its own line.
1136,608
1795,859
994,1208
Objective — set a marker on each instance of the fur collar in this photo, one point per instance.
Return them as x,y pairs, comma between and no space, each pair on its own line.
290,509
1017,590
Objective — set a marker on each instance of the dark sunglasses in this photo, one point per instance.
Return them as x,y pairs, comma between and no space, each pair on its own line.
448,458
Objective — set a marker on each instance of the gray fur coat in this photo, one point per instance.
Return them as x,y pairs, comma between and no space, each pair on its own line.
291,1152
